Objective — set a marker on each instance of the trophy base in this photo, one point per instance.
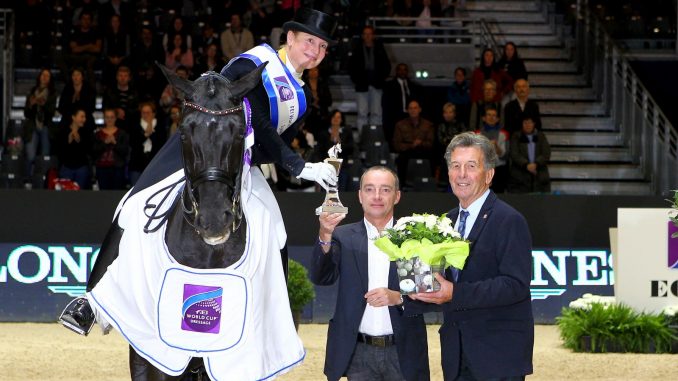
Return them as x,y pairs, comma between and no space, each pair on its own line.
331,209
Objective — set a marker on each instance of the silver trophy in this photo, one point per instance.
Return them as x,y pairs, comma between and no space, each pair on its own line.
332,204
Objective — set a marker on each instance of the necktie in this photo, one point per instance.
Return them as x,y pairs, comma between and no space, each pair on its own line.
462,230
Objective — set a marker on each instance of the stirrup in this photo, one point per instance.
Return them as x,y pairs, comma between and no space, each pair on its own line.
78,316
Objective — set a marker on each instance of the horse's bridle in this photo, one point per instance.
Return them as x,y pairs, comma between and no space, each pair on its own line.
211,174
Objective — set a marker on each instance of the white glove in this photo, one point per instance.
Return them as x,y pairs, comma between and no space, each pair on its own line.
322,173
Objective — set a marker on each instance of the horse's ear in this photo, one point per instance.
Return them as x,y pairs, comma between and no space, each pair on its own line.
242,86
179,83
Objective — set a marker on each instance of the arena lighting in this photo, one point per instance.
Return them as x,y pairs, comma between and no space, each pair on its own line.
417,74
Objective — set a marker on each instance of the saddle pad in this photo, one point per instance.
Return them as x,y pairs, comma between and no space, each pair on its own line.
203,312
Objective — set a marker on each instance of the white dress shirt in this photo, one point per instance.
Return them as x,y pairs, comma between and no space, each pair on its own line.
376,320
473,212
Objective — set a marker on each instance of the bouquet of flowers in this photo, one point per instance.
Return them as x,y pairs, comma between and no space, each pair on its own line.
420,245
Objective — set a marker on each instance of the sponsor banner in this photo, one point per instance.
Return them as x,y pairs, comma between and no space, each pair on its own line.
38,280
647,263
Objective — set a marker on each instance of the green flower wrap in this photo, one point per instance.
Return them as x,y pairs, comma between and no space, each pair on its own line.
455,252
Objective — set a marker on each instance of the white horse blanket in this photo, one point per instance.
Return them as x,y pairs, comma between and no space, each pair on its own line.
238,318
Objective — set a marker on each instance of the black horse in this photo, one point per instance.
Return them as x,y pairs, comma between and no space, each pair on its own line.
205,226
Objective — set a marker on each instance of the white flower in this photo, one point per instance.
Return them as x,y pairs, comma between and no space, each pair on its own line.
670,310
430,220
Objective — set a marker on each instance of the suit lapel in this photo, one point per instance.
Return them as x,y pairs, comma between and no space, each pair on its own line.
359,241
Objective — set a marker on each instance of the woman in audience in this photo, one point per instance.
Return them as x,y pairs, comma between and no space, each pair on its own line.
322,99
211,60
337,132
174,120
39,111
77,94
74,142
511,62
116,49
146,139
178,53
488,69
110,150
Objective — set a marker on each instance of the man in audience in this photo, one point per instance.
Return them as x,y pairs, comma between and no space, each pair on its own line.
236,39
122,97
413,139
516,110
398,92
371,336
369,67
85,47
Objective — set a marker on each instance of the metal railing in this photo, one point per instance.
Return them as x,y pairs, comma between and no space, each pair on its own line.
650,136
7,38
442,30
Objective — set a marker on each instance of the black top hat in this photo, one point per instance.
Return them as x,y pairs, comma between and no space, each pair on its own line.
313,22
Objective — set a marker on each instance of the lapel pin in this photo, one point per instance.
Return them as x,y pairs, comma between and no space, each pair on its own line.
485,216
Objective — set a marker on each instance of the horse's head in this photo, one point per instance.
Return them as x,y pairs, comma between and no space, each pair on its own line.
213,143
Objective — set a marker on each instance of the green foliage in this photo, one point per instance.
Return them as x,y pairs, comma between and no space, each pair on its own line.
615,327
299,287
416,231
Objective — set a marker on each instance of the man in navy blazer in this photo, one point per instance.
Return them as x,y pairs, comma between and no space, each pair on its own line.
488,329
370,337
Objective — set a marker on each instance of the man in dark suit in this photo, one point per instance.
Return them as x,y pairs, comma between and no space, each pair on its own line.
398,92
488,329
370,337
521,107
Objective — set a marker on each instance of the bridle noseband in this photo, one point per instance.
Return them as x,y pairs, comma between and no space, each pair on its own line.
211,174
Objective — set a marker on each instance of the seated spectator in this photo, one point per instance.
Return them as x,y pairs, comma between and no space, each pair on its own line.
109,151
423,11
488,69
259,20
171,95
174,120
459,94
178,53
91,6
122,96
177,27
116,49
322,99
511,62
236,39
337,132
74,142
210,60
146,138
478,108
517,109
530,154
491,129
413,139
450,126
124,9
39,110
77,95
147,75
208,36
85,47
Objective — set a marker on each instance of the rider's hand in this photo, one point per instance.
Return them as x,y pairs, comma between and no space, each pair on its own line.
322,173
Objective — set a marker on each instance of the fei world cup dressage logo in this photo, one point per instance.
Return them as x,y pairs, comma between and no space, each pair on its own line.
285,92
201,310
673,246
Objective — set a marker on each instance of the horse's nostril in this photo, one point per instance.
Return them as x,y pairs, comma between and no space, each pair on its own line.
202,221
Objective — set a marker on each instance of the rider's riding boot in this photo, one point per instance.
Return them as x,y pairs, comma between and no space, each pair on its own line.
78,316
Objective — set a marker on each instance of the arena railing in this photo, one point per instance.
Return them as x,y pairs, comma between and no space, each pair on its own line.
645,129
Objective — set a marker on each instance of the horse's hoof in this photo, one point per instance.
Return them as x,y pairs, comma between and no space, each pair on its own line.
78,316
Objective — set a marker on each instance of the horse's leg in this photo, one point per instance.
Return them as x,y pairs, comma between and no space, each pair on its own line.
141,370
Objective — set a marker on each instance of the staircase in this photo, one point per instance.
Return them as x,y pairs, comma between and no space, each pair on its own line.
589,155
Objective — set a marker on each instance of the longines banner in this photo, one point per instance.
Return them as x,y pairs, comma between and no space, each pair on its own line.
37,280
